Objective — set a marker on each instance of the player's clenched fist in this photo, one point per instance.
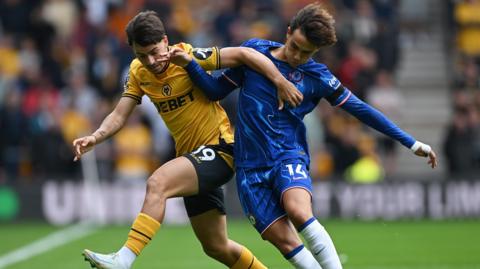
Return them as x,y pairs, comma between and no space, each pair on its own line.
179,57
82,145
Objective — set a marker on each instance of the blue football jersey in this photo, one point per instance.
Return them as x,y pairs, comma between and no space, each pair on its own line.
265,135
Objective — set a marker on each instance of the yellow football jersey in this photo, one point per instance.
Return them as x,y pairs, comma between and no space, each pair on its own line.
193,120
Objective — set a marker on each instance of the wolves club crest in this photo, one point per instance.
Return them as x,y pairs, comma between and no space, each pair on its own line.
166,90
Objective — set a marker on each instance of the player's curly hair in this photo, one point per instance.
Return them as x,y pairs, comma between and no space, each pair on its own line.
316,24
145,29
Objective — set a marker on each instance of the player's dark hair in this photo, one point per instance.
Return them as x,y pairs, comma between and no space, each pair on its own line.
145,29
316,24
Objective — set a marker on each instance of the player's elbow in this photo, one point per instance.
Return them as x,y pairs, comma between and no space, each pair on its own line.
241,56
247,52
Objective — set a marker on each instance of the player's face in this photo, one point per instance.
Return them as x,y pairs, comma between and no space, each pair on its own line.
152,56
297,48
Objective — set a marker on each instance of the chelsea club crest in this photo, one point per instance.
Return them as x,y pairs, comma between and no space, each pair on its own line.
295,76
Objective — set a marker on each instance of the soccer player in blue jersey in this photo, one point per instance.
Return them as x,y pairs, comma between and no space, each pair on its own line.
271,151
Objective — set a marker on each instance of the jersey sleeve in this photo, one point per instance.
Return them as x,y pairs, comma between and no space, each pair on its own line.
339,96
215,88
234,76
207,58
375,119
251,43
329,87
131,88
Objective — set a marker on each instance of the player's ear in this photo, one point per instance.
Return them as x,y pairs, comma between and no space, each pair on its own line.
289,31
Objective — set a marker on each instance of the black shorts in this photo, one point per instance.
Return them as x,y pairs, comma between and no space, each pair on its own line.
212,171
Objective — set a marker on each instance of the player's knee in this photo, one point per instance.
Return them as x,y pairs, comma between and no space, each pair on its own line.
298,205
215,250
298,216
283,242
156,186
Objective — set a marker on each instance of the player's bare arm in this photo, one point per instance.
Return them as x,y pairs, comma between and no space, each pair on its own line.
236,56
110,125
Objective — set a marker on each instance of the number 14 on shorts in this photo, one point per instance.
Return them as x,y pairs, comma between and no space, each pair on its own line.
296,171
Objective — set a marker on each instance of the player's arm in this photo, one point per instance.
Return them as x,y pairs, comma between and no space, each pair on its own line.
237,56
110,125
372,117
215,87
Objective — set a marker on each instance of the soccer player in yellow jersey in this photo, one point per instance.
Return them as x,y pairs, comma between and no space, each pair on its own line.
203,140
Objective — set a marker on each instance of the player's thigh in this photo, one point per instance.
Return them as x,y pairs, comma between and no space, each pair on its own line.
210,227
212,171
210,165
298,205
294,185
176,177
282,235
205,201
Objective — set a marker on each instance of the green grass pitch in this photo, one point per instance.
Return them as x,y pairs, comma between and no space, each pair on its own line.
363,245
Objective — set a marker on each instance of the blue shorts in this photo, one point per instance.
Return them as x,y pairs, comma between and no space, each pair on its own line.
260,190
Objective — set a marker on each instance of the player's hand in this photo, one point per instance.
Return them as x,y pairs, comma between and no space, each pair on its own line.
287,92
82,145
424,150
179,57
164,57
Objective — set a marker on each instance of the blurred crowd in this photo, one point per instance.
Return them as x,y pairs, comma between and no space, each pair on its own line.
62,64
462,141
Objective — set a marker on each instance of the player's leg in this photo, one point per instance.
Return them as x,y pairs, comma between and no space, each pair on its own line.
297,203
211,230
295,188
284,237
206,211
175,178
263,209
